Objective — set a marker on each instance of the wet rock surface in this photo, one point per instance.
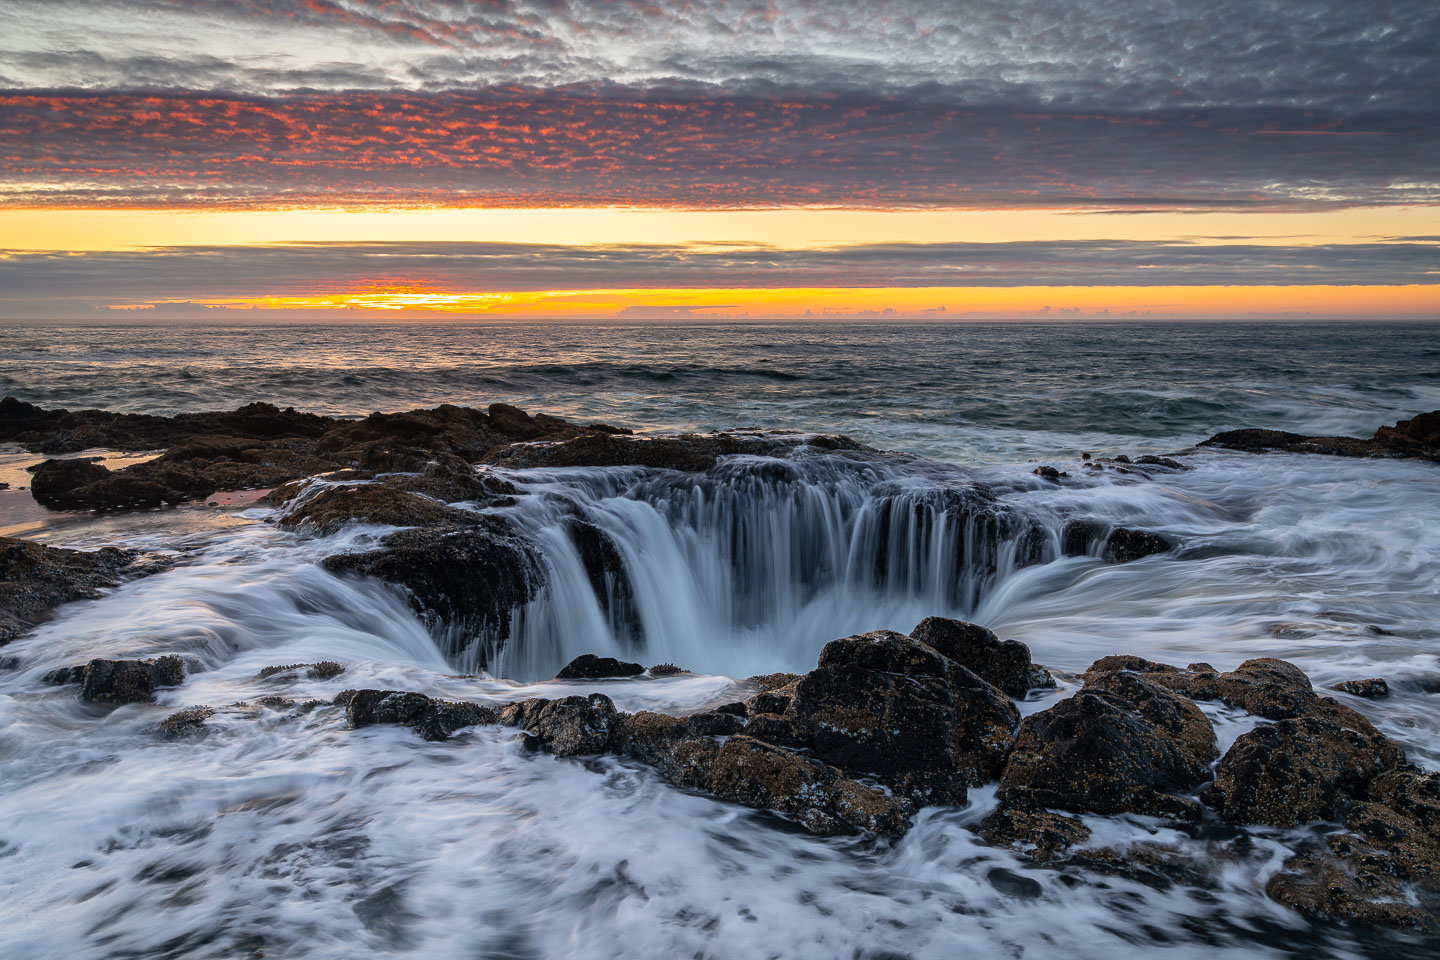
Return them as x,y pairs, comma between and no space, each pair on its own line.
590,667
1124,545
35,579
692,452
121,681
1418,438
432,719
1004,663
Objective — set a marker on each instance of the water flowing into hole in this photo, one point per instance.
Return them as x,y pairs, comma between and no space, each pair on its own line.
755,565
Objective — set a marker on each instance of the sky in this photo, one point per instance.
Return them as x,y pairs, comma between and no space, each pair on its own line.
692,159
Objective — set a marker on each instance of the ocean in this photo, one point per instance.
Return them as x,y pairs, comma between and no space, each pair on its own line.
297,838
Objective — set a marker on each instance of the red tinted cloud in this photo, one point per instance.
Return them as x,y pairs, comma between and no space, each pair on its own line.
691,147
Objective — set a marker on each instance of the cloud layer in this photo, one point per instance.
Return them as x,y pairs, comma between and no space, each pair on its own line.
29,280
720,103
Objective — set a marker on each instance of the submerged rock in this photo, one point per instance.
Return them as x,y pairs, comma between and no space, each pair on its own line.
1370,689
432,719
1124,545
324,670
121,681
187,724
590,667
1042,833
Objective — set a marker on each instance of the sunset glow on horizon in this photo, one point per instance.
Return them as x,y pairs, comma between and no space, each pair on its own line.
592,161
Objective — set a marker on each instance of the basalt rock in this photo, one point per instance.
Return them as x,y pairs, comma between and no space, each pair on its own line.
470,577
1418,438
187,724
590,667
1166,710
1005,664
1369,689
1125,545
1198,681
691,453
757,774
331,507
895,708
569,726
1097,752
324,670
1300,770
129,681
432,719
35,579
1041,833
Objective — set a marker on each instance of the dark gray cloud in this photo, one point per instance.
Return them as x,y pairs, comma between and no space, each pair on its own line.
707,103
31,280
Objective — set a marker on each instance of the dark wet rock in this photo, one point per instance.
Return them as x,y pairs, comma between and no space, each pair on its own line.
569,726
1370,689
1418,437
1096,752
1124,545
55,483
1198,681
331,507
772,681
1047,472
431,718
470,578
1300,770
64,431
35,579
129,681
682,756
758,774
64,676
1164,709
1077,535
691,452
1005,664
666,670
1041,833
1428,683
188,724
889,706
324,670
1269,688
775,701
1154,461
1356,884
590,667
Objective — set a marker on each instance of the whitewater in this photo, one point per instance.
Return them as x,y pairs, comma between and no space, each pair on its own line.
283,834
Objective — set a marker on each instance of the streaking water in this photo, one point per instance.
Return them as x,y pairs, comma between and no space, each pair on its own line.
293,837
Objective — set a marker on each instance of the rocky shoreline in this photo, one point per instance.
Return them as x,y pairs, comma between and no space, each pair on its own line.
885,724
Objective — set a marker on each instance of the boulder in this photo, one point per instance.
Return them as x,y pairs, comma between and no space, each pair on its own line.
1297,771
590,667
1041,833
1174,714
1097,752
569,726
129,681
899,710
1124,545
1198,681
1005,664
431,718
470,578
758,774
57,484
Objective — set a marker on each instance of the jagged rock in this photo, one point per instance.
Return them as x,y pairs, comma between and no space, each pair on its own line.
129,681
1198,681
187,724
590,667
1005,664
1041,833
758,774
432,719
1124,545
1370,689
1047,472
34,579
1269,688
1171,712
570,726
683,757
1352,885
666,670
1300,770
472,577
1416,437
1096,752
324,670
772,681
895,708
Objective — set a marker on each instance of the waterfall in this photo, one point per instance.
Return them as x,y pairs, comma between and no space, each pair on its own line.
752,565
